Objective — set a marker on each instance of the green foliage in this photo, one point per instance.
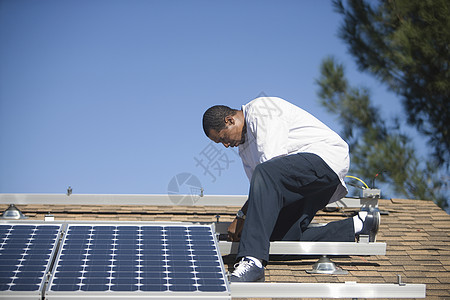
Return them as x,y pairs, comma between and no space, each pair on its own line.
405,44
374,146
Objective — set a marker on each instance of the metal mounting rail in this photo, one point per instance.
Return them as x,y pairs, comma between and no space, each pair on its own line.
155,199
313,248
327,290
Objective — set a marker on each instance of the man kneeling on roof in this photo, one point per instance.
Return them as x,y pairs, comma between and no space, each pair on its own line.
296,166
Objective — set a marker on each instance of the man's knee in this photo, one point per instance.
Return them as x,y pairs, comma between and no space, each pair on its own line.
262,174
260,169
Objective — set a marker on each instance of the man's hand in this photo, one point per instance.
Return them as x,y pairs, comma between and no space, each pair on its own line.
235,229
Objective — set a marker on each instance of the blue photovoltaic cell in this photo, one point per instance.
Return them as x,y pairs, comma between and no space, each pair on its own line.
25,252
139,258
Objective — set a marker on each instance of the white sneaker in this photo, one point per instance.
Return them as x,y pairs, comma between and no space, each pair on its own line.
247,271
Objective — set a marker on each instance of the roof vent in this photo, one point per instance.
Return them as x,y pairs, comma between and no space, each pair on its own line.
12,212
325,266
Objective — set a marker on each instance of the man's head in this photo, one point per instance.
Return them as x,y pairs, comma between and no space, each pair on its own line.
224,125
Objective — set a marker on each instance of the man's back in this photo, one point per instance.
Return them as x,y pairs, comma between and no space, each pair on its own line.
276,127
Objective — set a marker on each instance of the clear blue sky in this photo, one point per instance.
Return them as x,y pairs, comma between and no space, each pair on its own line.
107,96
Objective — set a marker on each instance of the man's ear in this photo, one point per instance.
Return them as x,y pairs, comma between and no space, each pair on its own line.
229,120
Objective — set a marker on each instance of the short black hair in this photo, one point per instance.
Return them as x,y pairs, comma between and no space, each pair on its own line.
214,118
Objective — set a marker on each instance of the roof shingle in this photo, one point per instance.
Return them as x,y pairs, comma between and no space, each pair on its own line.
417,234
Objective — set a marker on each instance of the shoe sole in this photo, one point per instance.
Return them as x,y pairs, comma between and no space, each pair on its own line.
262,279
376,226
375,230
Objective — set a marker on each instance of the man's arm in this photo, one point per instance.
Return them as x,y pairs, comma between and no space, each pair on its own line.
245,207
235,228
270,134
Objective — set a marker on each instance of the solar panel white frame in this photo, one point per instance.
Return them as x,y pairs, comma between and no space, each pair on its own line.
35,262
94,242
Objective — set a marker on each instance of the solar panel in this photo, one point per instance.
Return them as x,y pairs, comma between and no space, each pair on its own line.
25,258
139,260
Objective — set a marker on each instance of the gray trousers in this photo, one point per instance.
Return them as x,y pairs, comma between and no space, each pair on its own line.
285,194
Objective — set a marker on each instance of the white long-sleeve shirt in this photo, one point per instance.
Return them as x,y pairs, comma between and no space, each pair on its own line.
276,127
